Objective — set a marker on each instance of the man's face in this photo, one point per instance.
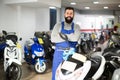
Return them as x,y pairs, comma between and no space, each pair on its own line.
69,14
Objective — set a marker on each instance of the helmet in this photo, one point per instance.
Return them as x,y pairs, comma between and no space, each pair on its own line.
115,38
117,28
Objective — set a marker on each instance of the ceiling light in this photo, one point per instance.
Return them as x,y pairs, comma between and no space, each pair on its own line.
106,7
118,5
96,2
73,3
87,7
52,7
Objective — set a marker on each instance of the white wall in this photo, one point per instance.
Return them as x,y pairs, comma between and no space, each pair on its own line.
97,12
8,17
24,20
94,21
91,19
42,19
58,15
17,19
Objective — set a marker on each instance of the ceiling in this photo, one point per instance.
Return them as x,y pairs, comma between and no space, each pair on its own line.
81,4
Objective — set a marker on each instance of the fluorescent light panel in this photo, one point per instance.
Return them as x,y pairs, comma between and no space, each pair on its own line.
73,3
52,7
96,2
87,7
105,7
118,5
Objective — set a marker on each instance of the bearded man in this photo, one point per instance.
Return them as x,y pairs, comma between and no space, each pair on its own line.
69,28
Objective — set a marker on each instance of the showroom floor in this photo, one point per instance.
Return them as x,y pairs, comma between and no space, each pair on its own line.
28,73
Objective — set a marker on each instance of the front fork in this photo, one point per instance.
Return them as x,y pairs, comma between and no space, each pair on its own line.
41,60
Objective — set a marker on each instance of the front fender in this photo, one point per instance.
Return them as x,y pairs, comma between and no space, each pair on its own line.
41,60
10,61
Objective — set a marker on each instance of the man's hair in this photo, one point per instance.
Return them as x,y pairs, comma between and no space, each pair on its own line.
69,8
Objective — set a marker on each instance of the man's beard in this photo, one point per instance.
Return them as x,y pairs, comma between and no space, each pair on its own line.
68,20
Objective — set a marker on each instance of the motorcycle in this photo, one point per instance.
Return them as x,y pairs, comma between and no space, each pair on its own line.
86,43
34,55
12,58
80,67
2,44
112,56
114,40
47,45
112,62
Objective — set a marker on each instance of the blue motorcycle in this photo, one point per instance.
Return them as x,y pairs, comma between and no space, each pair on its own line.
34,55
2,44
2,47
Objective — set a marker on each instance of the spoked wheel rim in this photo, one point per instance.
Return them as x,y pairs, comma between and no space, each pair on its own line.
40,68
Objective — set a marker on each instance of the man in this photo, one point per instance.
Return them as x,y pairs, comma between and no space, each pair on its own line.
117,28
69,28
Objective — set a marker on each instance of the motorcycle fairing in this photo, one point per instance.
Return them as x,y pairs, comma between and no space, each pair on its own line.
78,74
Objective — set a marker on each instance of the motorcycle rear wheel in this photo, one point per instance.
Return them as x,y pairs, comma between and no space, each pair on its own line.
13,72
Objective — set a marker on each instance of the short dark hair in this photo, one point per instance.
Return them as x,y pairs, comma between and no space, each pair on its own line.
69,8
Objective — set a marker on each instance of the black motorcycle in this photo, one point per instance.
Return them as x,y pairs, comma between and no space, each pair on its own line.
112,56
47,44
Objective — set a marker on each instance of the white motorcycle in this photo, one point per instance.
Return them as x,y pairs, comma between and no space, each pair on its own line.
78,67
81,67
12,59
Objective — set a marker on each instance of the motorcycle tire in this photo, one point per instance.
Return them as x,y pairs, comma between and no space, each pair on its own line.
13,72
41,69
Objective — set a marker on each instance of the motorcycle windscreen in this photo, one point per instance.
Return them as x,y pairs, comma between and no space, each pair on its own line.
79,57
69,66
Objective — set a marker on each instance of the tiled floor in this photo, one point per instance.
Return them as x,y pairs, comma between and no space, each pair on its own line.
28,73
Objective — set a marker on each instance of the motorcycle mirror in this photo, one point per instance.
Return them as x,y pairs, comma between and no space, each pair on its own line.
4,32
63,36
20,39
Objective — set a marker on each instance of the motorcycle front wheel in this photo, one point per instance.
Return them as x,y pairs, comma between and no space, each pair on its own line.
40,69
13,72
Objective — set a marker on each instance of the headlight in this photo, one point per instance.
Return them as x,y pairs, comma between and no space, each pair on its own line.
39,53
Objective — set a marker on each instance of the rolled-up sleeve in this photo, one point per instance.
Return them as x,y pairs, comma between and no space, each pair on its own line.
55,38
76,35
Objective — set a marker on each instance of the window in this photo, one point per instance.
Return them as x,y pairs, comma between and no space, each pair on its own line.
52,18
